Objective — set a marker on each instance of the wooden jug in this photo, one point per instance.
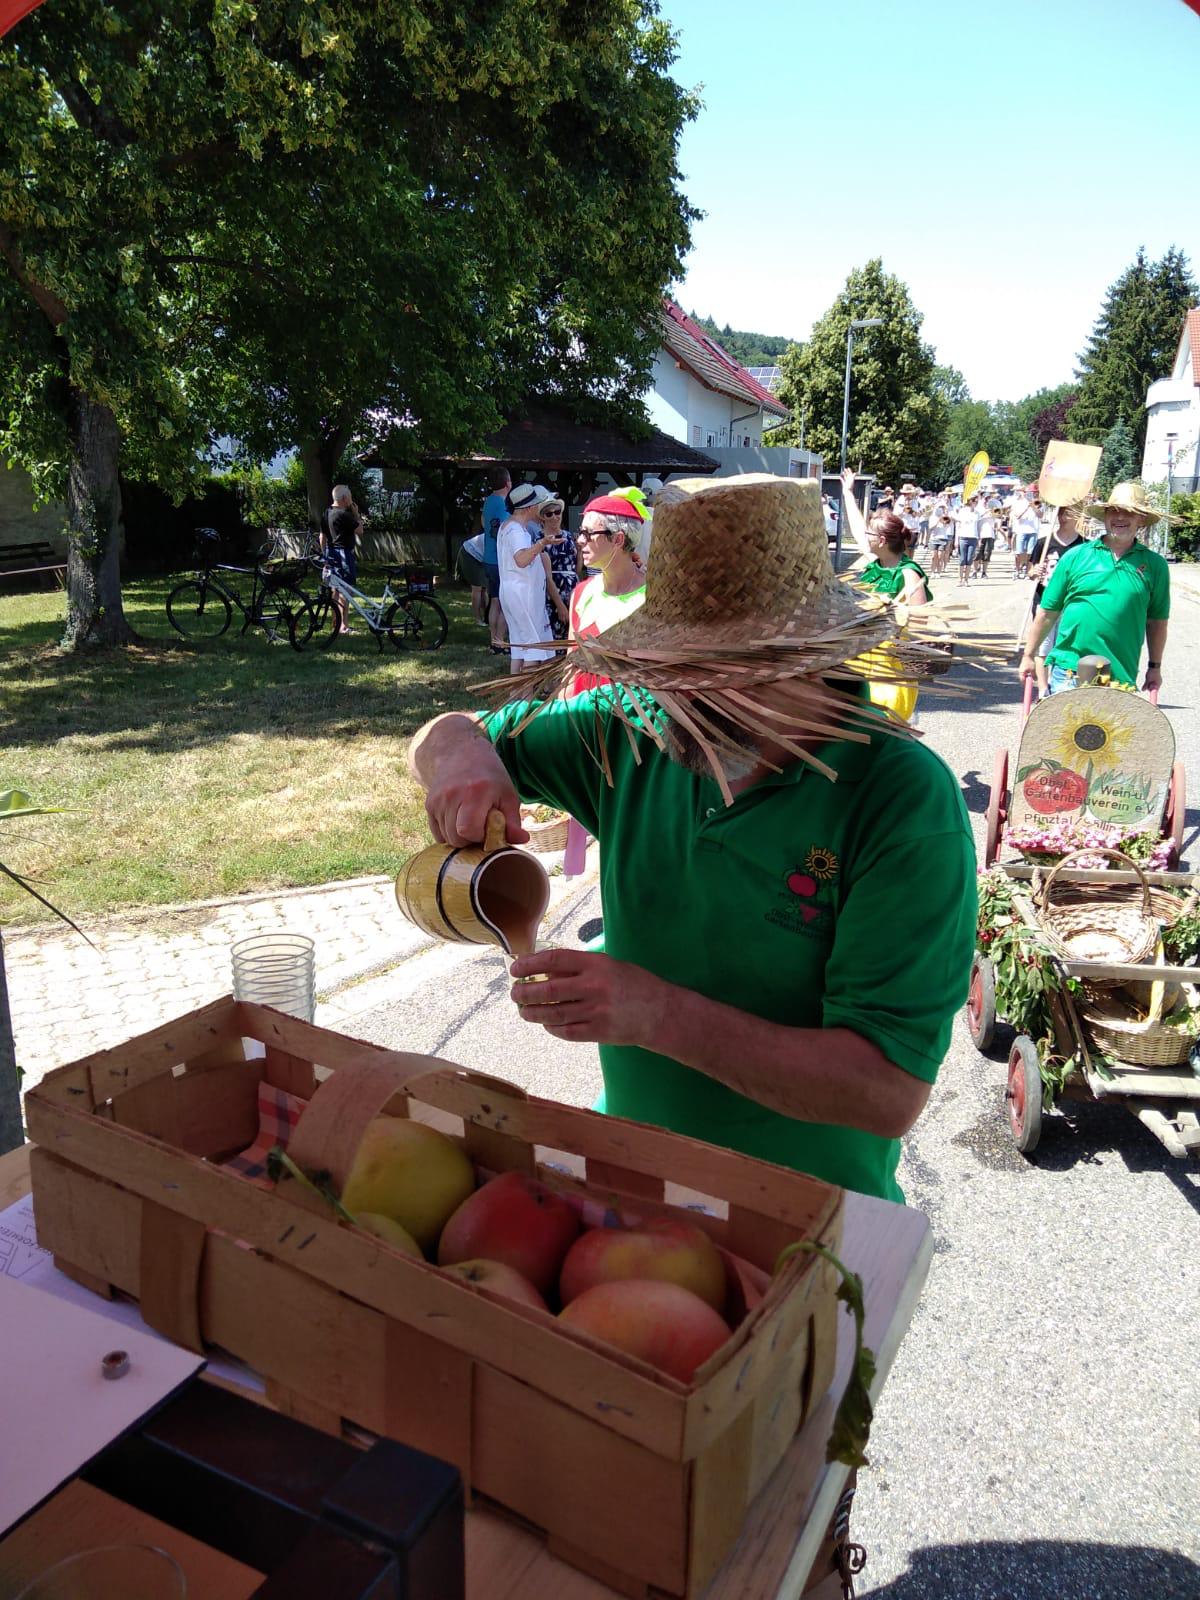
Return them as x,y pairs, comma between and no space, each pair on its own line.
491,893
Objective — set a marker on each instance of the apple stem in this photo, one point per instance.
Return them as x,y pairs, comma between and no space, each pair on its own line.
279,1161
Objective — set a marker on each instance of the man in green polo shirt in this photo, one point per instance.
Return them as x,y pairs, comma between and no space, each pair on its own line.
787,938
1109,595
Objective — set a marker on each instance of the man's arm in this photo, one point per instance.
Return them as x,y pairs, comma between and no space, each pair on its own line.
455,763
830,1075
1156,646
1040,626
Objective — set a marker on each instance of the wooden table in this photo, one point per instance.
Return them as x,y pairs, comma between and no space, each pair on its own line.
890,1247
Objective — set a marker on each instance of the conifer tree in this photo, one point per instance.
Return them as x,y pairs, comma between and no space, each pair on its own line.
1132,344
1118,464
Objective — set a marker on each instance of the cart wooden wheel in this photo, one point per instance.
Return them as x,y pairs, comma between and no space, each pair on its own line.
997,811
1176,812
981,1003
1024,1094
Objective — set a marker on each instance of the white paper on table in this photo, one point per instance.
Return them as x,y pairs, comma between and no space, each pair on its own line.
59,1409
23,1259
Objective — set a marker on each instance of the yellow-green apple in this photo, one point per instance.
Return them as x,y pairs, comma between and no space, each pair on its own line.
389,1231
666,1248
671,1328
409,1172
494,1275
514,1219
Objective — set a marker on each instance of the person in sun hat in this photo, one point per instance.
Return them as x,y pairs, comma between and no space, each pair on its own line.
1109,596
610,541
524,576
787,876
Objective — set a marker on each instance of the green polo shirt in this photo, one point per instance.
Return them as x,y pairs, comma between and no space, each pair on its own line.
1105,604
818,904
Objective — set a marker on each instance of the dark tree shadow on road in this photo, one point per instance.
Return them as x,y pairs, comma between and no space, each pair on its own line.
1040,1569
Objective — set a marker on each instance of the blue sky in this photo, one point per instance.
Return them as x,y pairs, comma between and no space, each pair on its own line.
1005,161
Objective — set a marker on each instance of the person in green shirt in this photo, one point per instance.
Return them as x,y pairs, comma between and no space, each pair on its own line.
1108,595
787,878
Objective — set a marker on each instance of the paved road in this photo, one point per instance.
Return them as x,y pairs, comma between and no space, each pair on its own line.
1038,1436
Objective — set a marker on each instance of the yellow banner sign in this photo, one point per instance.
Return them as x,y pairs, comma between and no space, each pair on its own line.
1067,472
975,474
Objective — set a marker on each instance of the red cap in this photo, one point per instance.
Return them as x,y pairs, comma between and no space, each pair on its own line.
611,505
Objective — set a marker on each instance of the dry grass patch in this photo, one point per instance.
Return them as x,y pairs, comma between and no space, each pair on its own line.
199,772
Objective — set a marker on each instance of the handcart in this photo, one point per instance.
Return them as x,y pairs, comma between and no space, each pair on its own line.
1097,755
1110,1026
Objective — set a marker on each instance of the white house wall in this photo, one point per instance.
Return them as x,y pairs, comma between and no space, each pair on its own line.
1172,406
681,406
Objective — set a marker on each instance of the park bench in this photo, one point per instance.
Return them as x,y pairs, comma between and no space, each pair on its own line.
21,560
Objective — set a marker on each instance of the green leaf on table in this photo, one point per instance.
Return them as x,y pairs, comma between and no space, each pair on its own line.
847,1441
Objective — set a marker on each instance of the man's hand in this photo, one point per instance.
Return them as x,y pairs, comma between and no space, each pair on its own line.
463,779
847,477
587,997
1153,679
1027,668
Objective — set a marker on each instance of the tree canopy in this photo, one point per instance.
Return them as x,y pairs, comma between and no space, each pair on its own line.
1132,345
751,349
897,415
297,224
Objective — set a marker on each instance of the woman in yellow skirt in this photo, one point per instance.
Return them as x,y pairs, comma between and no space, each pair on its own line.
886,568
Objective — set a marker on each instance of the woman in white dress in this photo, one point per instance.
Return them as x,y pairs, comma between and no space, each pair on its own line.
523,577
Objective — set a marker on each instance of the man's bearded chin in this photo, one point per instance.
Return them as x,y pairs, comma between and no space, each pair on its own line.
684,748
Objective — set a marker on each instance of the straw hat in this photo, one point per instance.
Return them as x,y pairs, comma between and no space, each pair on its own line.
1129,497
741,592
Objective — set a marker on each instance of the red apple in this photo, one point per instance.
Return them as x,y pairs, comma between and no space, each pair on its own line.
494,1275
671,1328
667,1249
516,1220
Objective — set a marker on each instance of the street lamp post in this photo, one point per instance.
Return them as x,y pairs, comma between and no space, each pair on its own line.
858,322
1171,438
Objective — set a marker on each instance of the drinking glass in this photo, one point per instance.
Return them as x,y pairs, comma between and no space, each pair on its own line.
276,969
111,1572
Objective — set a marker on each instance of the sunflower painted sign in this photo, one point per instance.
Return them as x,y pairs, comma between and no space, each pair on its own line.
1098,755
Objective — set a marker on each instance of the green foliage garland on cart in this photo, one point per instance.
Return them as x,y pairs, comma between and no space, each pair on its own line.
1026,978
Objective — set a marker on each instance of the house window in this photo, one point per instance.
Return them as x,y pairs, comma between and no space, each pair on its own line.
745,441
712,439
695,433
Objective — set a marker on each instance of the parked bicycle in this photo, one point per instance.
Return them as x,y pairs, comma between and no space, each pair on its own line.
410,618
202,606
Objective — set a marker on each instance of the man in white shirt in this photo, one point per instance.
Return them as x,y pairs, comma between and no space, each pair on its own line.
1024,526
966,539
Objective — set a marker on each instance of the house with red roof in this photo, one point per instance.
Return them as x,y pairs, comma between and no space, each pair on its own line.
1173,420
701,395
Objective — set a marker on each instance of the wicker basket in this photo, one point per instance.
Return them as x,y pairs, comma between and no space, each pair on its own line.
1113,1027
546,837
1096,927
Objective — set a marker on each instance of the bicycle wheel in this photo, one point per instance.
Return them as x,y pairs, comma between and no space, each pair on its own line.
325,620
197,610
286,617
416,623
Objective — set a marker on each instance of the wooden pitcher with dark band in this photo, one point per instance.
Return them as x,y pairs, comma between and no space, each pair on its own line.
491,893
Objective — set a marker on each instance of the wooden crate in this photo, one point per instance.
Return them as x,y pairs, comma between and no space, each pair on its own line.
640,1479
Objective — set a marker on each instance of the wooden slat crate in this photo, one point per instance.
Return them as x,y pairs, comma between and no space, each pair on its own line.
638,1478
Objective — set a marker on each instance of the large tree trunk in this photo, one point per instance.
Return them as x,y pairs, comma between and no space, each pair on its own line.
320,455
95,614
11,1132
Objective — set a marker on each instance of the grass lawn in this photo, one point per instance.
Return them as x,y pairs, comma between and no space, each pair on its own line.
198,771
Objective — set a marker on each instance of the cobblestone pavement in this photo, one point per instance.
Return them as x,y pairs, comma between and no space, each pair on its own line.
69,999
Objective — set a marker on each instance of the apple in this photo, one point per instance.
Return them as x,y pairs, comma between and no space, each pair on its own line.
494,1275
389,1231
666,1248
411,1173
516,1220
669,1327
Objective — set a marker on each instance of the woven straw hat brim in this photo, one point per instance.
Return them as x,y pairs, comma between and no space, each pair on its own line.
1133,506
830,627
